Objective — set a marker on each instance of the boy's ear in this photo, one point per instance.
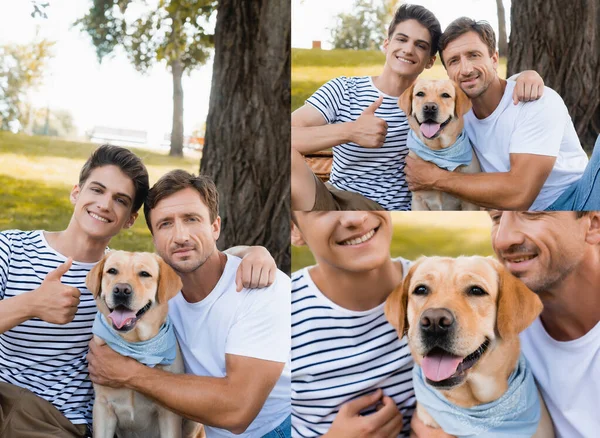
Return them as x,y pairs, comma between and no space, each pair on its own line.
74,194
130,221
297,238
430,62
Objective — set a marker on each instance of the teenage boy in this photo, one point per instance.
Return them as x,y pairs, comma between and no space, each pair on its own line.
46,311
530,153
235,346
346,357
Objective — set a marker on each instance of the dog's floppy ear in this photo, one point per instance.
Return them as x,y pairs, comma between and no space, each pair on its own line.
396,303
169,282
518,306
463,103
405,101
93,281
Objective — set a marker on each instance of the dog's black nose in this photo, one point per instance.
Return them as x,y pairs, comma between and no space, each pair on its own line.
430,107
436,321
121,290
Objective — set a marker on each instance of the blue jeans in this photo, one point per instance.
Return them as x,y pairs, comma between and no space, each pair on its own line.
284,430
584,194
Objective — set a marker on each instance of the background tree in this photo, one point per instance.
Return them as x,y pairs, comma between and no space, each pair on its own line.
21,70
502,40
173,31
248,126
46,121
364,28
564,47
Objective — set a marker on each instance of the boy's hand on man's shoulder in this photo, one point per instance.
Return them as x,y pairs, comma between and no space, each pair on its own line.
385,423
529,87
257,269
53,301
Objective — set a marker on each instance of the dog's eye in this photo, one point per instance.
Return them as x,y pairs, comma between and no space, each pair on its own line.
476,291
145,274
446,95
421,290
112,271
420,94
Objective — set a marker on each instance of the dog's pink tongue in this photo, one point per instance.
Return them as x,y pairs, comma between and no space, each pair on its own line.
429,129
121,317
440,366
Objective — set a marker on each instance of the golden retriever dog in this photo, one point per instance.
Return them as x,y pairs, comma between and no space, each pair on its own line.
132,291
435,111
462,318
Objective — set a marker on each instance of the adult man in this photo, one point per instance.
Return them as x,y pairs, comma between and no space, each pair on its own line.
530,153
46,321
361,118
351,373
236,345
46,311
557,255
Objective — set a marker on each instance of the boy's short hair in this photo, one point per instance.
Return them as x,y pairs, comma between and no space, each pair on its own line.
461,26
176,180
129,163
424,16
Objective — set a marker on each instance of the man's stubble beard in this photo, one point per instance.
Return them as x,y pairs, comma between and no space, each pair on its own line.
196,265
549,279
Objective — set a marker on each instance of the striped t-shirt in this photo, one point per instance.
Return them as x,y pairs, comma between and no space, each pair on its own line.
48,359
378,173
339,355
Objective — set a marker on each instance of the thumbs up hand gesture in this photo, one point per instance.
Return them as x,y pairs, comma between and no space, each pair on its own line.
368,130
55,302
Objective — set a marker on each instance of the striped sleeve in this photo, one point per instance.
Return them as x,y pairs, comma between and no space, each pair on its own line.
5,252
330,98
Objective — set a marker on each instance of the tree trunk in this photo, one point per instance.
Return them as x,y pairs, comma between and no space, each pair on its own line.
248,126
562,43
502,40
177,128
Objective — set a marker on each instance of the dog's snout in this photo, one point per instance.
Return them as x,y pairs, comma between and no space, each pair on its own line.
436,320
430,107
122,290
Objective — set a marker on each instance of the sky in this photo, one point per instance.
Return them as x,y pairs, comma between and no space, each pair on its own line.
112,94
312,19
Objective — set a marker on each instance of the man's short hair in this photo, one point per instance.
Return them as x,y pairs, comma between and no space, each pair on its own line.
461,26
129,163
177,180
424,16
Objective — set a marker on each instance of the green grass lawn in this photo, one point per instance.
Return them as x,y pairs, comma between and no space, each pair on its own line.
416,234
311,68
37,174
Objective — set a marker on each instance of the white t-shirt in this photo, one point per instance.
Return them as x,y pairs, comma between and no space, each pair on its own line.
542,127
340,354
252,323
568,375
376,173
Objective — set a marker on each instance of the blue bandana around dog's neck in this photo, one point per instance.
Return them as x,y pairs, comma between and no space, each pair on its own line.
460,153
515,414
160,350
